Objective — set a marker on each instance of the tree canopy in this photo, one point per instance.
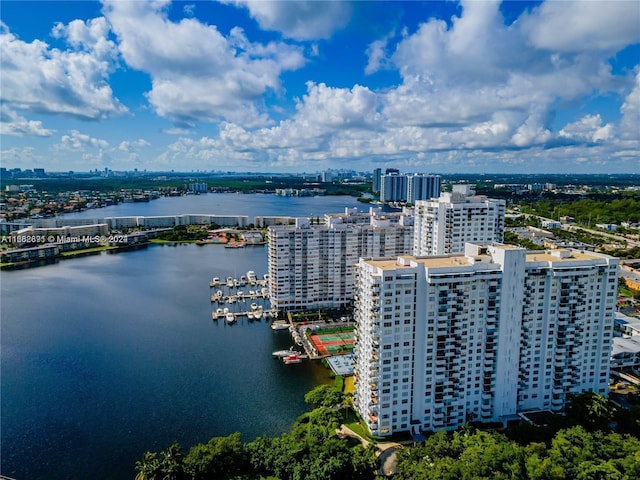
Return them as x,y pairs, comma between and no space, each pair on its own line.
580,445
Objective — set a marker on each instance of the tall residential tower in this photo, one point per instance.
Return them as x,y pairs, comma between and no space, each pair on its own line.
480,337
311,266
445,224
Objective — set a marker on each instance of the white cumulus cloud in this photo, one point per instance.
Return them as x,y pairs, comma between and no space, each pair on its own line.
579,26
39,79
299,20
197,73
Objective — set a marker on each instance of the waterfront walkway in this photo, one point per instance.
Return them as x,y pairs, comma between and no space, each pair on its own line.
385,451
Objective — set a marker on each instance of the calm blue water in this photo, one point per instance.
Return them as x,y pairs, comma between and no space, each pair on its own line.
253,204
108,356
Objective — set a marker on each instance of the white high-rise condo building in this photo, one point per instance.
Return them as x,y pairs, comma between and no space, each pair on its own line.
311,266
481,336
445,224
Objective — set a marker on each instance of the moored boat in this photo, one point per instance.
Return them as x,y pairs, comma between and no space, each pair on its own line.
285,353
230,318
279,326
292,359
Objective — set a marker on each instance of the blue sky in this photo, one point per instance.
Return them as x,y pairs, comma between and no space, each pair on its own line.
293,86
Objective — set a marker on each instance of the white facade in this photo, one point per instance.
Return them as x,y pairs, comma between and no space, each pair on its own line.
268,221
551,224
479,337
444,225
311,266
352,216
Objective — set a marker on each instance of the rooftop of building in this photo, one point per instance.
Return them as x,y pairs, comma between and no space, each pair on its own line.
558,255
460,260
625,345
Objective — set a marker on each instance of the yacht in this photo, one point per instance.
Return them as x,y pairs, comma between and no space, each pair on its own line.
251,276
285,353
279,326
230,318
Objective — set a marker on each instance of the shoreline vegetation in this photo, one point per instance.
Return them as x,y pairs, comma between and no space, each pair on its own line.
181,234
593,439
34,262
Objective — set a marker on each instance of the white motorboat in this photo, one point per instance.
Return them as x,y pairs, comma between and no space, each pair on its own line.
279,326
285,353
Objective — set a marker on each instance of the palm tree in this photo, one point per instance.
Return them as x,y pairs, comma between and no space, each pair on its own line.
148,467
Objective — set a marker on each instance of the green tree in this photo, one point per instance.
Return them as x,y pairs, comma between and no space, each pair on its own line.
172,463
591,410
149,467
324,396
221,457
599,470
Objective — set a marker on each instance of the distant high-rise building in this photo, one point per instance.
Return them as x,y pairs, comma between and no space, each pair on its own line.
199,187
311,266
422,187
483,336
393,187
445,224
326,176
377,175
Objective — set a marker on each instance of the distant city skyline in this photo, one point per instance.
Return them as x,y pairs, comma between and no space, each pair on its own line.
293,86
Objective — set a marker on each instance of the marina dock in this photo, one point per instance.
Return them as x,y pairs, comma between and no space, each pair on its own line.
243,297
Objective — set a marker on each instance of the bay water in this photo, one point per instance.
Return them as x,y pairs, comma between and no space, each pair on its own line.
107,356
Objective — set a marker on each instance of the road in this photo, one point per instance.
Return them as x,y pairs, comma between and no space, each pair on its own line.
630,243
572,227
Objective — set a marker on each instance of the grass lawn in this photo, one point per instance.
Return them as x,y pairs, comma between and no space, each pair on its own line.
349,387
86,250
355,423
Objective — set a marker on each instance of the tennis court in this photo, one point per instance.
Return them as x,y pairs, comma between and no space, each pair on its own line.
330,343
